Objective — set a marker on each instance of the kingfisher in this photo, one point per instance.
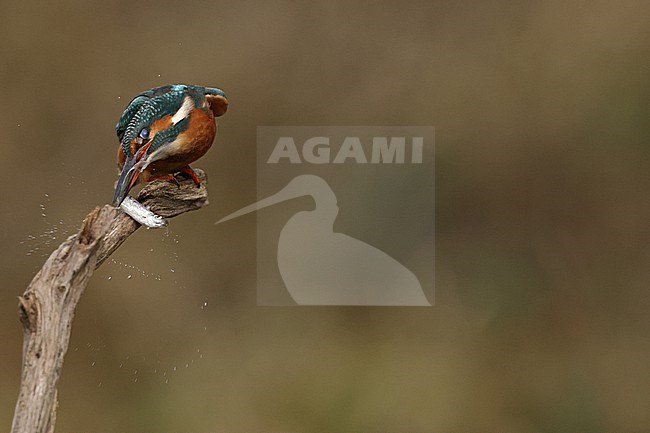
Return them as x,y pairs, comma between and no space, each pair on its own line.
162,131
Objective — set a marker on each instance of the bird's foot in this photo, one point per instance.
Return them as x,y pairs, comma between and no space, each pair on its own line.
187,170
166,177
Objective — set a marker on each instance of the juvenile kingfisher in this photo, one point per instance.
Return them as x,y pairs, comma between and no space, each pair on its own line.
162,131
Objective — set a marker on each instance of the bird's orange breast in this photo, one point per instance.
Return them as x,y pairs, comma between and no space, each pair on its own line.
199,135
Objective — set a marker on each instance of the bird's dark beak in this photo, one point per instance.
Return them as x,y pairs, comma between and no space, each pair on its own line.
127,179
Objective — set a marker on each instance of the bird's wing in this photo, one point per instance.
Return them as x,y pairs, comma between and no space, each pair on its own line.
167,136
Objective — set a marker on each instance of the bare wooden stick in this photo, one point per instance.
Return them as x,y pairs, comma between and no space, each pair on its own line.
47,307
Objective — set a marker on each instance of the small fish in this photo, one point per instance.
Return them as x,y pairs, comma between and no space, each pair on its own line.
141,214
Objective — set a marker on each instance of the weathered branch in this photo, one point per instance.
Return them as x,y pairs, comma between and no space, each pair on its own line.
47,307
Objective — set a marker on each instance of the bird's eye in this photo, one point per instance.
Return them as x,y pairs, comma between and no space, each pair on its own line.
144,134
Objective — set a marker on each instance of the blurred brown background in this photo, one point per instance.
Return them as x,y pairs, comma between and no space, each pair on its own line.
542,257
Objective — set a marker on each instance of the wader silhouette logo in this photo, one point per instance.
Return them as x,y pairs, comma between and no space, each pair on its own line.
318,263
320,267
